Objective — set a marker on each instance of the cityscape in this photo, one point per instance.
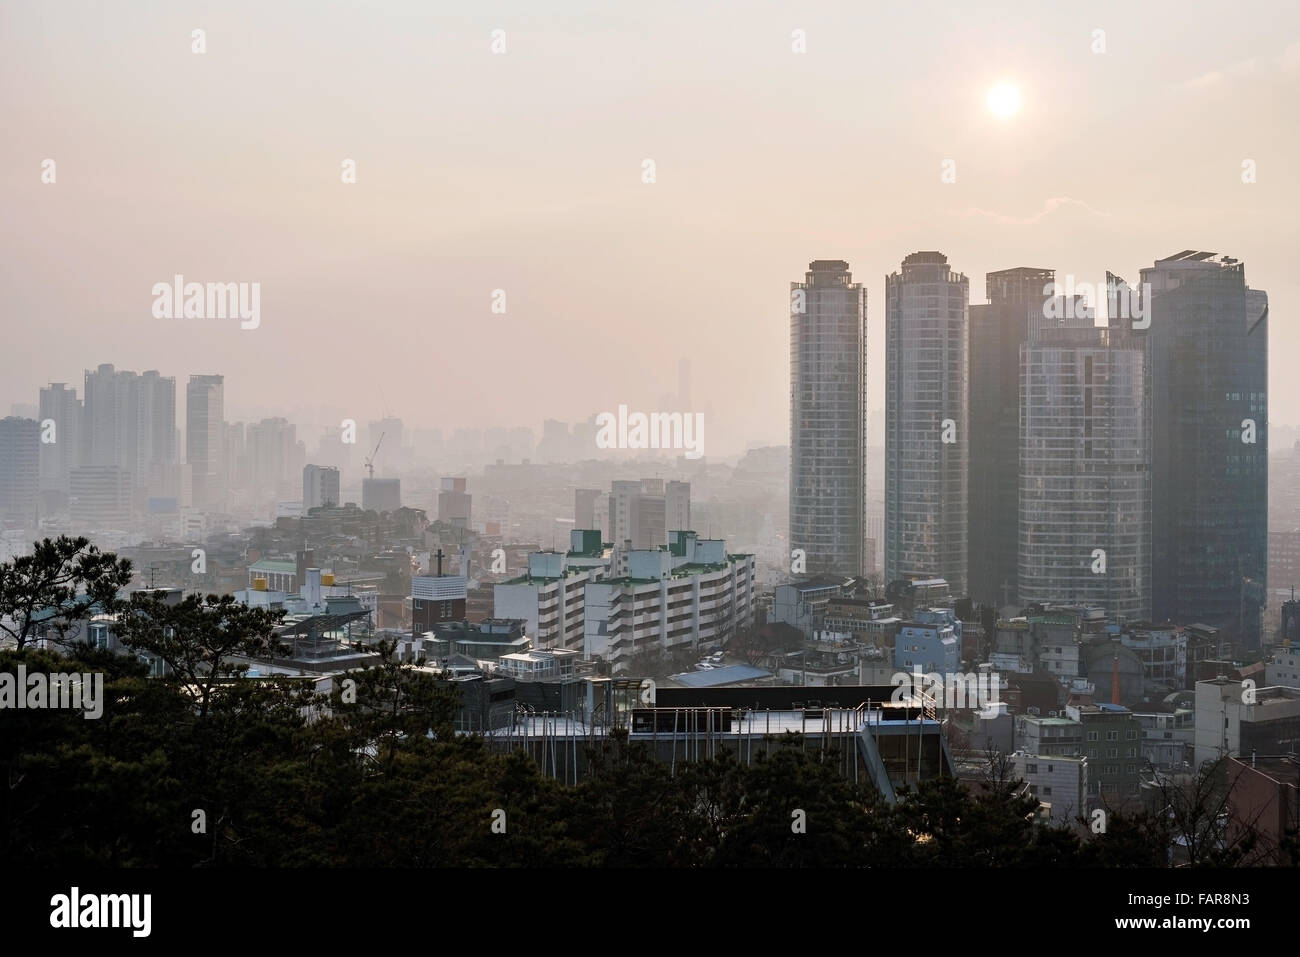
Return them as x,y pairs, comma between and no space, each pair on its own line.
571,569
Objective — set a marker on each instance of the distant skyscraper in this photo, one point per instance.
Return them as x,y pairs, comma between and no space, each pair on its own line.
320,486
104,418
1085,484
1209,390
927,424
129,422
997,331
275,454
236,462
60,405
586,509
677,506
828,418
646,512
20,456
381,494
155,417
100,498
204,435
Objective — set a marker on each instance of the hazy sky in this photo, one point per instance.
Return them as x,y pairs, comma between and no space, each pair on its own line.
522,171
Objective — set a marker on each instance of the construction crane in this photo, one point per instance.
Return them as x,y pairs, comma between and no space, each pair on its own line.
370,462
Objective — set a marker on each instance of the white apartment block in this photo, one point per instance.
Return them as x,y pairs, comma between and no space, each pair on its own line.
689,594
551,596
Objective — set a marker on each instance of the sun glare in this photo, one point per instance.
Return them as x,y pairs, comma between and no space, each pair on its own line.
1004,100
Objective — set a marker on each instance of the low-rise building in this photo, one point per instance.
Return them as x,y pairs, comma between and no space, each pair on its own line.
538,664
1112,743
436,600
1059,782
1265,799
864,619
486,640
1283,670
1048,735
1168,738
1233,719
803,604
930,640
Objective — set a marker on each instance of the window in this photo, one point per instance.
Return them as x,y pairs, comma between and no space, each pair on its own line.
1049,769
1092,752
1092,735
1130,735
1112,752
1031,769
1047,792
1033,789
1132,753
1112,735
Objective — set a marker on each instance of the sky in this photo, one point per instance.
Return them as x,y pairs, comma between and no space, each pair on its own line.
523,171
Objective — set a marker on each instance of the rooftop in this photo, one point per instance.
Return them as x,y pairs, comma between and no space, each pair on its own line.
729,674
287,566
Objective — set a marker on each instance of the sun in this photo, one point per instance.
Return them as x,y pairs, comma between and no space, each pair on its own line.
1004,100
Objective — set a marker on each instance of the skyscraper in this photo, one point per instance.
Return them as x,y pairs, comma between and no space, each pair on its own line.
129,422
1085,484
926,421
20,445
60,405
828,418
103,439
320,486
585,511
204,435
637,518
275,454
1209,392
677,506
155,418
997,331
